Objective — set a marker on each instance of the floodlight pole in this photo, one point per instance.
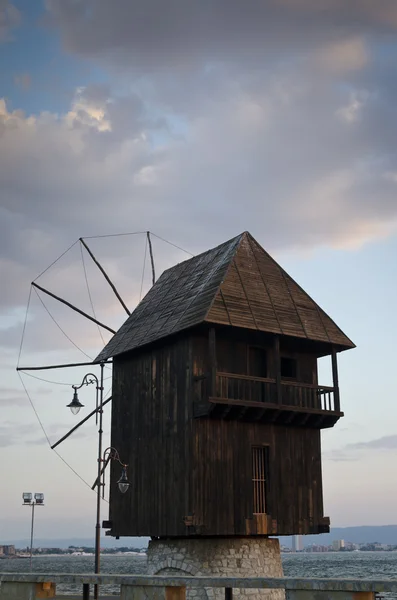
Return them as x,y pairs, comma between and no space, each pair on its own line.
38,499
31,537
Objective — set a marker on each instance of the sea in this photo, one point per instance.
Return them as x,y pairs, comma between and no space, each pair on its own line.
352,565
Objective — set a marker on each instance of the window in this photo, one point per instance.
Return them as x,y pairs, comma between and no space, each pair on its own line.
260,470
289,367
257,362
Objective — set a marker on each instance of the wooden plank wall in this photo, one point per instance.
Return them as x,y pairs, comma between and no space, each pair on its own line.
151,429
222,486
194,476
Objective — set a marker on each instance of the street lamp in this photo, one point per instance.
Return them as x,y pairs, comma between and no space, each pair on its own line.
109,454
75,404
28,501
123,484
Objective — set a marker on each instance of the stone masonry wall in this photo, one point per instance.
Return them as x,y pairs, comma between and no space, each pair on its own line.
233,557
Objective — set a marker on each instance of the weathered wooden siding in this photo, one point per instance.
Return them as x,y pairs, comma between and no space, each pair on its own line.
151,425
222,483
194,476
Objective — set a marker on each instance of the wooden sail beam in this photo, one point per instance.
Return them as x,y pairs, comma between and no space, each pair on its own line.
151,257
102,270
64,366
81,312
79,424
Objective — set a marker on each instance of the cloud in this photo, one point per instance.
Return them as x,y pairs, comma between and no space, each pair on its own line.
346,55
10,398
214,120
23,80
351,452
14,433
10,18
189,34
388,442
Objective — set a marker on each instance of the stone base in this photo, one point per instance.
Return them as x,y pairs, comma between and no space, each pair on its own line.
233,557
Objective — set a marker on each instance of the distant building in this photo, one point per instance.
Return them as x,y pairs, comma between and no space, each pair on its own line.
338,545
297,543
7,550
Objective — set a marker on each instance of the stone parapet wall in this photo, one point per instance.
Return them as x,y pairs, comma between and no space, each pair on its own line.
222,557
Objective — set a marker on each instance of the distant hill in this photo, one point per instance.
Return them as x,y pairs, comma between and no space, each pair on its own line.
384,534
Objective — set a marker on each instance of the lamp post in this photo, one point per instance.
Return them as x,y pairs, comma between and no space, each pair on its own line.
28,501
109,454
75,406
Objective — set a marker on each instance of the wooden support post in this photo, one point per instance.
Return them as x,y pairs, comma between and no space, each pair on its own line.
152,592
86,591
228,593
212,358
175,593
328,595
20,590
277,368
335,380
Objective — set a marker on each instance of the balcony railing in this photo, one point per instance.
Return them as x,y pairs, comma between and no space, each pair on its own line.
245,387
235,396
259,389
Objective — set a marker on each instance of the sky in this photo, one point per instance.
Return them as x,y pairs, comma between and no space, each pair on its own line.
196,120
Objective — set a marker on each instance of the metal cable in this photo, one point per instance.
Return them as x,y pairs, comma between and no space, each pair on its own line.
24,326
171,244
34,409
92,237
60,328
56,260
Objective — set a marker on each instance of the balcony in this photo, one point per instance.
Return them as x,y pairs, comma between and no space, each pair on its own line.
260,399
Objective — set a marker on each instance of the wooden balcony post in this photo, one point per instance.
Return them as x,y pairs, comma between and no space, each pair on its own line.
335,380
277,368
212,358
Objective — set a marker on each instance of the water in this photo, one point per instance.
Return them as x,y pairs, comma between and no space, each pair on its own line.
353,565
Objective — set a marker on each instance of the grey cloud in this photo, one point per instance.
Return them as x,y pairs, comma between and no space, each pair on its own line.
10,17
297,147
12,400
14,434
351,452
340,456
145,35
388,442
12,397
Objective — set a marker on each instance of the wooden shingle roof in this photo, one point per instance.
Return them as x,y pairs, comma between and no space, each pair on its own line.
237,283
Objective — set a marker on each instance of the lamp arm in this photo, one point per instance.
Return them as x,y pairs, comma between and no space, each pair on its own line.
86,382
108,455
114,455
